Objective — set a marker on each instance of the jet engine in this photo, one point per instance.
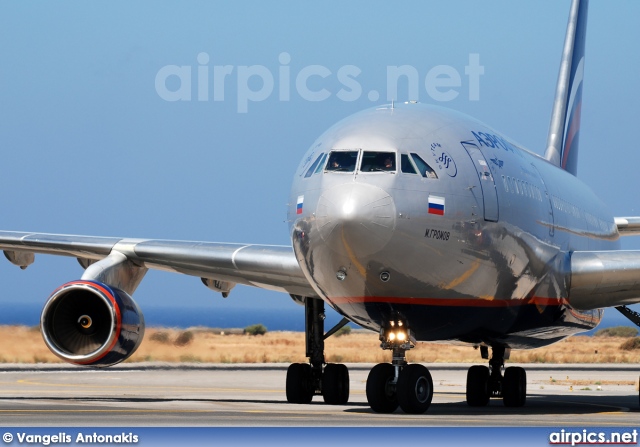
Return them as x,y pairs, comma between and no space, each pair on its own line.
91,323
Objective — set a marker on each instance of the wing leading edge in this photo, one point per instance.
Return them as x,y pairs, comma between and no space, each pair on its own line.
628,226
271,267
595,279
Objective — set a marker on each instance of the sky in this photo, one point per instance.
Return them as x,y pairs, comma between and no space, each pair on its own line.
101,133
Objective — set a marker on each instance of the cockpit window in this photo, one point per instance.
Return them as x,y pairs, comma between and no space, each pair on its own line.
406,166
342,161
323,157
313,167
423,168
378,162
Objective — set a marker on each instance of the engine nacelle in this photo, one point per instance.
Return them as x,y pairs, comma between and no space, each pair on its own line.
90,323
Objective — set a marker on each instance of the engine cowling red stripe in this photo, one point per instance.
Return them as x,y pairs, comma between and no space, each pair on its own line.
118,317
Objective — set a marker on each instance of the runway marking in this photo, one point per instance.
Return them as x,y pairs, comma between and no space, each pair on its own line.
287,414
213,404
618,410
295,414
82,410
230,413
137,387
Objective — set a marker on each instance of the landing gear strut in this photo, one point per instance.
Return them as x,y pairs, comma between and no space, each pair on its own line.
394,384
305,380
484,383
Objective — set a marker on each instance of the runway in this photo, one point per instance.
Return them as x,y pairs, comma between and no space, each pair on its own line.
253,395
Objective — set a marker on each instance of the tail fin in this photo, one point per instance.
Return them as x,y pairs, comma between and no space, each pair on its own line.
562,142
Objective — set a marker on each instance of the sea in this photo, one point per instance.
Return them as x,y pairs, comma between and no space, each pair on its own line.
289,318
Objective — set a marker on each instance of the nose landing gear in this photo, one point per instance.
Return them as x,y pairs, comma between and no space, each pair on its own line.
394,384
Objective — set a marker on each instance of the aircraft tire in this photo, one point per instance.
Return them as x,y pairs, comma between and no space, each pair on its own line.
478,386
381,394
514,387
299,383
335,384
415,389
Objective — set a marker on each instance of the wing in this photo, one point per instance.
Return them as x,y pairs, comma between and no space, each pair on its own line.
628,226
604,278
220,265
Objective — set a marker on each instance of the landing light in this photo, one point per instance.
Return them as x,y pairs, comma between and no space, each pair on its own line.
396,335
341,275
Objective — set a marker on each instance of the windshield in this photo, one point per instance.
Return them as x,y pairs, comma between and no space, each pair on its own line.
424,169
342,161
315,164
378,162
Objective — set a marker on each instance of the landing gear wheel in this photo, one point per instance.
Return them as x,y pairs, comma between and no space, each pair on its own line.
514,387
335,384
299,383
381,392
478,386
414,389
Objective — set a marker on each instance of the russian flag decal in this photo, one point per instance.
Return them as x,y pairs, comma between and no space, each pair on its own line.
436,205
299,205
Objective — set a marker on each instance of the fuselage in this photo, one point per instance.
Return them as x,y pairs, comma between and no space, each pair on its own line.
424,214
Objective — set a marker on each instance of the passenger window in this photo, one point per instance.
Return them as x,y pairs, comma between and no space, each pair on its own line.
342,161
320,164
313,167
378,162
424,169
406,166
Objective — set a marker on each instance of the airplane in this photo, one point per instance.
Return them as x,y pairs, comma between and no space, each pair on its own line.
411,220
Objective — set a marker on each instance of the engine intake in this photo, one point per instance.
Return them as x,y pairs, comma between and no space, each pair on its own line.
90,323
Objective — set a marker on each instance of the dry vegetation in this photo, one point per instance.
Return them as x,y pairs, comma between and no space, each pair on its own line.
24,345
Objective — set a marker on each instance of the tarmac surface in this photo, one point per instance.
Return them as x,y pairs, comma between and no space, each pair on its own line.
156,394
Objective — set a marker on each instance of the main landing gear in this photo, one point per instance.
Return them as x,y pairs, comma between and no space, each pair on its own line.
305,380
484,383
410,387
394,384
634,317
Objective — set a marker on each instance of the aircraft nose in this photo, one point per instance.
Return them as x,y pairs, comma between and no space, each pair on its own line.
356,219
